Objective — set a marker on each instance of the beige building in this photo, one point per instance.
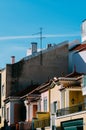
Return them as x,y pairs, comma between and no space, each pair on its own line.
71,114
3,95
56,104
49,102
64,101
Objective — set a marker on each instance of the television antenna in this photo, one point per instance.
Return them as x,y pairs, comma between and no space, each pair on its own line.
41,38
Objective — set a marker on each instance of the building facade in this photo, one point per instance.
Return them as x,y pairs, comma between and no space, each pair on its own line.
31,71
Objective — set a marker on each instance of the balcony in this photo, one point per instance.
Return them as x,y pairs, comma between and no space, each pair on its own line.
41,123
42,120
70,110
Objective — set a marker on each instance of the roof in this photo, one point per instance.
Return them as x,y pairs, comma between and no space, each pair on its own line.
37,89
74,74
84,20
79,47
33,89
27,90
72,80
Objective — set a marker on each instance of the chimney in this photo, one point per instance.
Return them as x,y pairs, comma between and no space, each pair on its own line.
34,47
49,45
83,30
12,59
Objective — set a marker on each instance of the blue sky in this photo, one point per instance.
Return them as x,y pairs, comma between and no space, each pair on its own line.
22,18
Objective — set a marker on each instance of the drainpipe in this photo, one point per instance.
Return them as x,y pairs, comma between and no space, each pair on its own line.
32,123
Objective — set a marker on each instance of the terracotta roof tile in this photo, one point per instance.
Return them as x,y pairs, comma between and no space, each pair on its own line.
80,47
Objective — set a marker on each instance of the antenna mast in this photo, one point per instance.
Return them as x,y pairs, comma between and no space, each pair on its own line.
41,37
41,46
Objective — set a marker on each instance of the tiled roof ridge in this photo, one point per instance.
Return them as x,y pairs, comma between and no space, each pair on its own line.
80,47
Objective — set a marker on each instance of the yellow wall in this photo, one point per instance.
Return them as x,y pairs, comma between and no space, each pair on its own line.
55,96
77,96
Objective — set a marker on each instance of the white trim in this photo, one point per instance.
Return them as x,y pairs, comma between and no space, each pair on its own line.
70,115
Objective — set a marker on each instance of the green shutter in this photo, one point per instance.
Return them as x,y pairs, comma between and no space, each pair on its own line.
72,123
70,128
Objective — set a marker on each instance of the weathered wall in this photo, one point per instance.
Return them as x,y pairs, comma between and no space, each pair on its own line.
37,70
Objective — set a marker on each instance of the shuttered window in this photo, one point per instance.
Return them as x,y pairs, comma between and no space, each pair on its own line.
73,125
70,128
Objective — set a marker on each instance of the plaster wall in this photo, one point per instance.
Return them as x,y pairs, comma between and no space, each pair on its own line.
55,96
79,60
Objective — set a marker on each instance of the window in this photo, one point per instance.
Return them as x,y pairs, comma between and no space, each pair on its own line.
7,114
84,85
84,81
39,106
3,90
2,111
45,104
55,106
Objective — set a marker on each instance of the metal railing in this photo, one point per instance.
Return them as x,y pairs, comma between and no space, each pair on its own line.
24,126
41,123
69,110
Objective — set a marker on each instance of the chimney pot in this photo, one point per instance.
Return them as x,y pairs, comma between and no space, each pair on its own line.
12,59
34,47
49,45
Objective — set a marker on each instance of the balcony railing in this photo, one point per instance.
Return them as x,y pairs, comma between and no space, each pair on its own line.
24,125
41,123
69,110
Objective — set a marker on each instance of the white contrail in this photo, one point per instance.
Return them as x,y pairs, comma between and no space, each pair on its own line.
16,37
37,36
61,35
